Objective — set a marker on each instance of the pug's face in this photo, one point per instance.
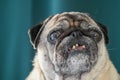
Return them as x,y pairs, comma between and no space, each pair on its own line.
70,40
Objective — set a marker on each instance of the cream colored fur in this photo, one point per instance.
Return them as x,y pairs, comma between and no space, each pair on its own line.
43,69
104,69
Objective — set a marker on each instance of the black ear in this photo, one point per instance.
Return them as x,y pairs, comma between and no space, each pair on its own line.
34,33
105,32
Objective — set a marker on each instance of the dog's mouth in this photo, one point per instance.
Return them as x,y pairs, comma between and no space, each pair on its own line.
73,47
77,47
75,55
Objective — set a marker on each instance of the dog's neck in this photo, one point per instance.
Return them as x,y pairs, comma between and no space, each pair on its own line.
107,72
103,70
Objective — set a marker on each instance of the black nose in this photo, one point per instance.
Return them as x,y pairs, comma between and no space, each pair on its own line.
76,34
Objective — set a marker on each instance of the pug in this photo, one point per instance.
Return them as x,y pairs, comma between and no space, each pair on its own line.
71,46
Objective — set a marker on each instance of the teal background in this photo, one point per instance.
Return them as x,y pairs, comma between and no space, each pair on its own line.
17,16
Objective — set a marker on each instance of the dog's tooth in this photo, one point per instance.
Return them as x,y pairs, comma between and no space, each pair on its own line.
83,46
76,45
73,47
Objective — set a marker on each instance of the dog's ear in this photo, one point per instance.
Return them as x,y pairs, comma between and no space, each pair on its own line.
34,32
105,32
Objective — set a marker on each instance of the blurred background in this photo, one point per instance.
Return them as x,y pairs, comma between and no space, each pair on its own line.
17,16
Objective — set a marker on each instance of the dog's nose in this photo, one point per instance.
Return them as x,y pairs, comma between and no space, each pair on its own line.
76,34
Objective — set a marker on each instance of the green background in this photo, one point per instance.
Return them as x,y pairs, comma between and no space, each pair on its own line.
17,16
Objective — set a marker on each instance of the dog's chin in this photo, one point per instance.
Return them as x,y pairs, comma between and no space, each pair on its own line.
75,57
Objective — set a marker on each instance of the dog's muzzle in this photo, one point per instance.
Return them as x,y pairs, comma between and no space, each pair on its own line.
75,52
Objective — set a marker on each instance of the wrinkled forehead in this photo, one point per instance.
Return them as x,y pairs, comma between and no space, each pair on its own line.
71,19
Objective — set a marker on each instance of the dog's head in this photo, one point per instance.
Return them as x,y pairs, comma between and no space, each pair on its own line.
70,40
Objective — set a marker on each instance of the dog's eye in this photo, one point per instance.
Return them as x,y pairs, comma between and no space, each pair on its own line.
94,34
53,36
